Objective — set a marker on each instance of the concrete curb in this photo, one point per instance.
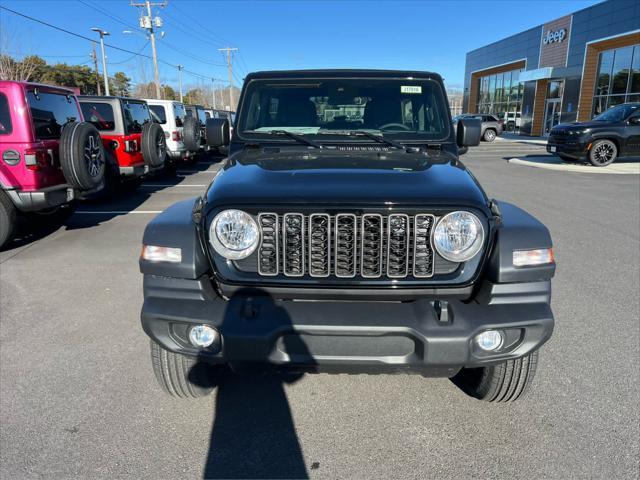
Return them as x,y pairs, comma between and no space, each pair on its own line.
554,163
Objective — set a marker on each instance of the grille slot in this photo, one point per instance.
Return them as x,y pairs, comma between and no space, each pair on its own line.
371,246
422,251
398,246
319,245
345,252
345,245
269,251
293,244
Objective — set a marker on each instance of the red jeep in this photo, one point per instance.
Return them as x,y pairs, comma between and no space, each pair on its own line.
49,156
133,142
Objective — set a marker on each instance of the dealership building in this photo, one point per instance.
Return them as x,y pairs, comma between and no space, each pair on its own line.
567,70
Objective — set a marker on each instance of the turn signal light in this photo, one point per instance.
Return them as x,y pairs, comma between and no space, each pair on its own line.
175,136
154,253
531,258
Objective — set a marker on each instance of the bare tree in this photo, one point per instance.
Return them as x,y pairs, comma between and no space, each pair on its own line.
11,68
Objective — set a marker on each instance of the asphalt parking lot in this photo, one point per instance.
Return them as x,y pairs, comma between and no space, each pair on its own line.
78,398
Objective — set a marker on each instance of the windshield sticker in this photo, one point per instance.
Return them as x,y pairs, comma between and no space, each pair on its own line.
410,89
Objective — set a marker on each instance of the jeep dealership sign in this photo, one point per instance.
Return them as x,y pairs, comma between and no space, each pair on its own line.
554,43
557,36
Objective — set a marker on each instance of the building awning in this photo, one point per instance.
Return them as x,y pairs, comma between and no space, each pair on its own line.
537,74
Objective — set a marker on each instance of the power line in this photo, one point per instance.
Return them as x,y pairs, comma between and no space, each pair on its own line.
219,41
134,29
106,44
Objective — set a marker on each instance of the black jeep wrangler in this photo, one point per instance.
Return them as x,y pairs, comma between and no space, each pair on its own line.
342,234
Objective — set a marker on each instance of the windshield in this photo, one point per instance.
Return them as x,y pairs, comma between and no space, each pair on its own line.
617,114
406,109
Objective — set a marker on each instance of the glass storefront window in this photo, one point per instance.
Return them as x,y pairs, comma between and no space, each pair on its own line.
621,67
634,83
618,78
500,94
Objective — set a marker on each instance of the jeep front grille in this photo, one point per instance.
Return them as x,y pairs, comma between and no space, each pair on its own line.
346,245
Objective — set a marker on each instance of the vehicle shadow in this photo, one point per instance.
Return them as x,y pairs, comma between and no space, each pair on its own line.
253,433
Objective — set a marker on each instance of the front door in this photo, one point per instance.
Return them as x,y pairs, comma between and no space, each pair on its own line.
551,115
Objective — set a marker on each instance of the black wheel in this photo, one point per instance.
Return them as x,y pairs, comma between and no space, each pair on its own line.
602,153
182,375
82,155
505,382
191,134
489,135
154,145
8,216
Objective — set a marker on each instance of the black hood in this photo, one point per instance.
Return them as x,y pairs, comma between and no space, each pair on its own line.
341,177
580,125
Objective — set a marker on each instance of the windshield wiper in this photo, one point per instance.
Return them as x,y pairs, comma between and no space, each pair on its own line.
296,137
377,138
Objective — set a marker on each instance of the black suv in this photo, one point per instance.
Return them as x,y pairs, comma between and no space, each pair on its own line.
612,134
342,234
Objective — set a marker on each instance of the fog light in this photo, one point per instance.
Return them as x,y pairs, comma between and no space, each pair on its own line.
490,340
203,336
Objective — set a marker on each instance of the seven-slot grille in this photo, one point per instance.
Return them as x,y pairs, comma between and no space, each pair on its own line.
346,245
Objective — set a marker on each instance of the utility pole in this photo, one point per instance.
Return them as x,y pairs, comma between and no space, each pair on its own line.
213,92
180,80
147,22
230,69
103,34
95,65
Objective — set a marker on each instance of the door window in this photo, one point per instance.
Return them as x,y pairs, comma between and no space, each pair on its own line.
135,116
99,114
50,112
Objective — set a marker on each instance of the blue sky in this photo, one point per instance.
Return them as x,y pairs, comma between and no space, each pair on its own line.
421,35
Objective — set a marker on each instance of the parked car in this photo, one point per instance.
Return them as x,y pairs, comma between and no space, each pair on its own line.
50,157
351,248
197,112
171,116
512,121
134,144
613,134
492,127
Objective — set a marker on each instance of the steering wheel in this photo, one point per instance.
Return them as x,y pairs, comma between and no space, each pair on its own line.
386,125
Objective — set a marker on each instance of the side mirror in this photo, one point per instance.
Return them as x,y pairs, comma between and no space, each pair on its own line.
634,121
468,132
217,132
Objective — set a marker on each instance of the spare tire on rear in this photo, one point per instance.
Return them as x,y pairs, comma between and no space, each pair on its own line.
154,145
192,134
82,155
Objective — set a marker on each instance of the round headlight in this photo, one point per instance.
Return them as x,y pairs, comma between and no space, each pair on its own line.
234,234
458,236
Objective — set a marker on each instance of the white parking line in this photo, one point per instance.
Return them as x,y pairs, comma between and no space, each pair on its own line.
191,172
115,212
147,185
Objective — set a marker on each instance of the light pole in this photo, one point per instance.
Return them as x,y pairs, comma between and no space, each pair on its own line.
180,80
103,33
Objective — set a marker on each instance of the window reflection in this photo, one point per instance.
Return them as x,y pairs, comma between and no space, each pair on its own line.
618,78
501,95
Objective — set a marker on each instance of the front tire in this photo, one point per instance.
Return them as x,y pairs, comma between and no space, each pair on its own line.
602,153
489,135
505,382
183,376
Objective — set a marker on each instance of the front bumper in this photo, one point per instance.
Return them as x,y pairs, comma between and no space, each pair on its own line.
575,148
429,337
